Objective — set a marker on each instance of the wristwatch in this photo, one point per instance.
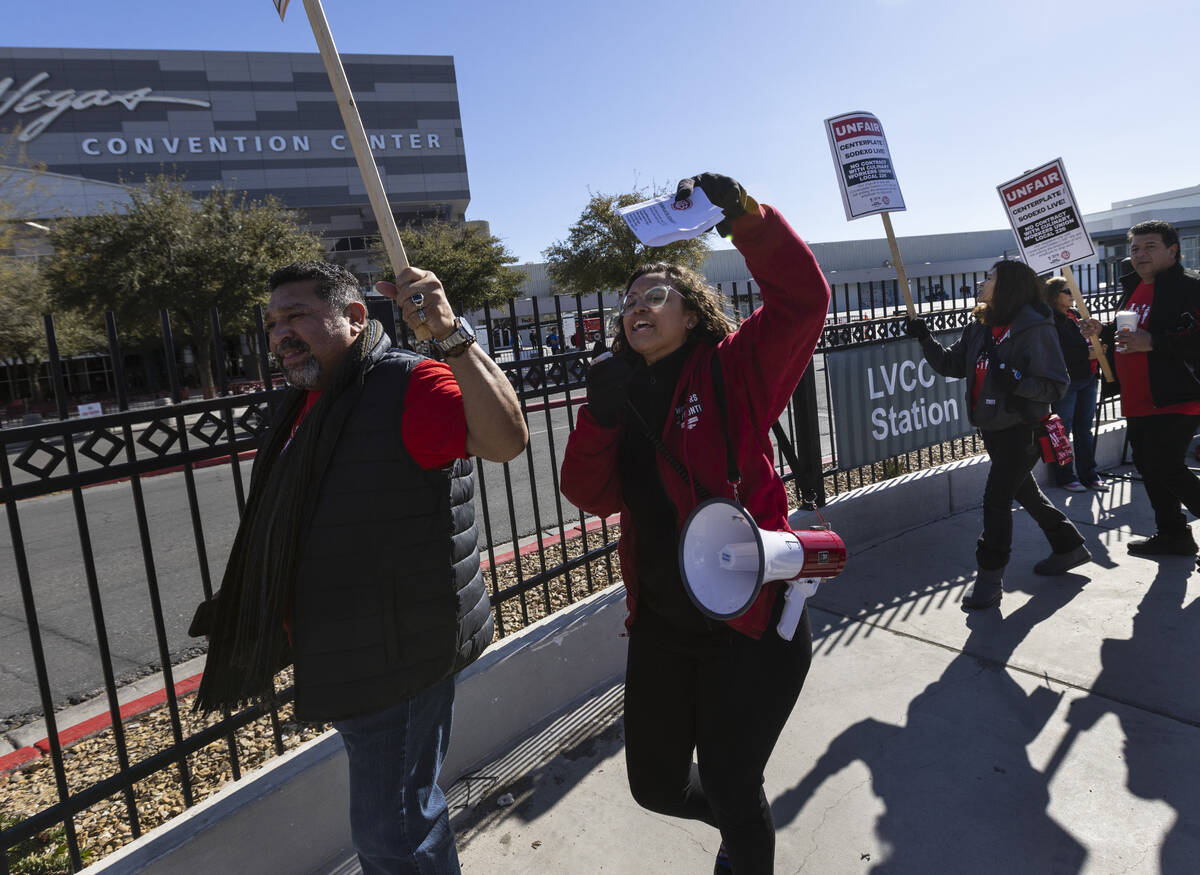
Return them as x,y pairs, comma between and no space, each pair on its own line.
457,341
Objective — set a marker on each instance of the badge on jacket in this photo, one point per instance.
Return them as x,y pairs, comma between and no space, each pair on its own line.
687,416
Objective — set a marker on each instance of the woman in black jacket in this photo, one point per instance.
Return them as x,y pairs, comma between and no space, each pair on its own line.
1077,408
1013,365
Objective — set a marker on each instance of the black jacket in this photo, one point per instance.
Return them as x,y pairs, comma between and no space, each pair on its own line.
1174,326
1030,349
389,598
1075,349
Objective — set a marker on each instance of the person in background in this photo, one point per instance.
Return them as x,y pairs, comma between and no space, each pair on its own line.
1077,408
1160,391
649,443
1013,368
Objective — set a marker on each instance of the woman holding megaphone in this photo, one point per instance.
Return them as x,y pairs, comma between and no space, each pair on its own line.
1013,367
681,386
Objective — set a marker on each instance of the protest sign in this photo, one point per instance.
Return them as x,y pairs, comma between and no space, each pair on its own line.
1050,233
663,220
865,174
886,400
867,179
1041,208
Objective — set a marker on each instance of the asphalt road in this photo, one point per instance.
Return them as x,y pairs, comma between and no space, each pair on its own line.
522,497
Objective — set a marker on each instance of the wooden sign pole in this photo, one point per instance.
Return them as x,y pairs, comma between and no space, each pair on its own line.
1069,276
388,231
899,264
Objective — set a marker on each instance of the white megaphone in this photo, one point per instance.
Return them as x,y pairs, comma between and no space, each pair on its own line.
725,558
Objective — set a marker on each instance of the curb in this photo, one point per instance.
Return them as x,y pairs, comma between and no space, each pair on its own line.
93,725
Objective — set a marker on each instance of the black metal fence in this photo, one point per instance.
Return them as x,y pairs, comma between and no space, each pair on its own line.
540,552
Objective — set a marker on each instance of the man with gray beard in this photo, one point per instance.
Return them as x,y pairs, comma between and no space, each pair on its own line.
356,560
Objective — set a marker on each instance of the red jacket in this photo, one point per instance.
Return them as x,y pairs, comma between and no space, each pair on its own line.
761,363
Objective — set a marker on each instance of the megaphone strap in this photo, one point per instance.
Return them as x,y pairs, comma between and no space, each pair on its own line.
676,465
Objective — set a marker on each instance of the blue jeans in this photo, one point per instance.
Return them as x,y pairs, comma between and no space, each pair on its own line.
398,816
1077,410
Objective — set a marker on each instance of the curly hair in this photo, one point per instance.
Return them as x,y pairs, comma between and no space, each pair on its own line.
1016,285
698,296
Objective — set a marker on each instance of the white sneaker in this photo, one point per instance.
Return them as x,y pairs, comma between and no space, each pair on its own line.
1075,486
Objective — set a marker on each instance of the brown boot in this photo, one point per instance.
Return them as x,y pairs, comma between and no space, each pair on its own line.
985,590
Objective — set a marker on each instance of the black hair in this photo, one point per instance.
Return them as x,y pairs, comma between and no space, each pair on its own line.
335,284
1165,230
1016,286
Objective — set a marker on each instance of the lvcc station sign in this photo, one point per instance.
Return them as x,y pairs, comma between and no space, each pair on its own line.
886,400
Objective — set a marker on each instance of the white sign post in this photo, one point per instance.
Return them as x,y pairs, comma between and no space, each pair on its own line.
358,140
867,179
1042,211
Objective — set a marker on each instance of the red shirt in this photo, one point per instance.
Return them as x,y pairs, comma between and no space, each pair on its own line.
434,423
1133,369
981,366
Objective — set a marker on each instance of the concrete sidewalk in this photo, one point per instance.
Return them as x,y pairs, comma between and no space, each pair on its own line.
1060,734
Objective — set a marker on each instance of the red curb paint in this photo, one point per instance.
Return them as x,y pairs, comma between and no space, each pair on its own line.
550,541
10,761
100,722
538,406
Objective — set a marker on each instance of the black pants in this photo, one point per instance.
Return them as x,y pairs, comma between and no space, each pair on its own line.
1014,452
1160,443
727,698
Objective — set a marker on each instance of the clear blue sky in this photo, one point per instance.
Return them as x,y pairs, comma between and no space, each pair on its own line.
559,98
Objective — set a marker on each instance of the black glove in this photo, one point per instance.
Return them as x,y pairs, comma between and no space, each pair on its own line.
916,328
723,192
608,388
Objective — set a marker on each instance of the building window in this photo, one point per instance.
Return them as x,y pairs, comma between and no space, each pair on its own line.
1114,251
1189,252
349,244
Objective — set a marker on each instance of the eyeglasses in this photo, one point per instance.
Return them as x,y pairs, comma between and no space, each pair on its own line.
653,298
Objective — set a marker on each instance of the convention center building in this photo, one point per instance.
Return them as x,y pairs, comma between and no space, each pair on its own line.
267,123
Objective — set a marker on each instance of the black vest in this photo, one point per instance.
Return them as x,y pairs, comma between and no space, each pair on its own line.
389,598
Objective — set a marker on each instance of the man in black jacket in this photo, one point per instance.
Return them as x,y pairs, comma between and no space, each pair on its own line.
356,559
1160,392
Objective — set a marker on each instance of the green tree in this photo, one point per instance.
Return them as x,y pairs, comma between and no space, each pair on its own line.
600,252
472,265
168,249
24,297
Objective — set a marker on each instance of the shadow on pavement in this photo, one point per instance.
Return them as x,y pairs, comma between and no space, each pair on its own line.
959,791
1148,671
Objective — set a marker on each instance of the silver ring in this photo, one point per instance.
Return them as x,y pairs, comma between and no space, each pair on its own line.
421,314
418,299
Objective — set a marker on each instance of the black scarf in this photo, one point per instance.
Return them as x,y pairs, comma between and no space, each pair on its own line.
248,644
